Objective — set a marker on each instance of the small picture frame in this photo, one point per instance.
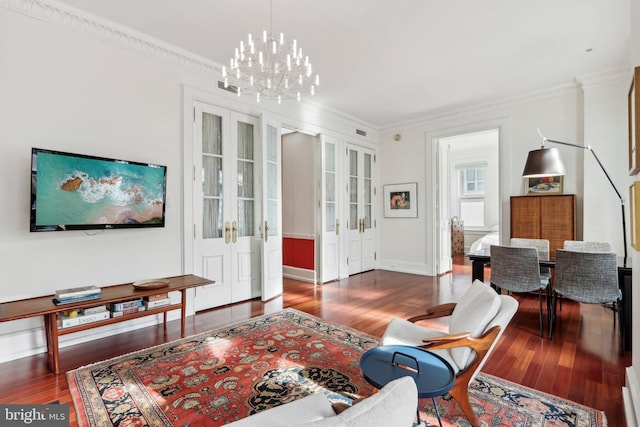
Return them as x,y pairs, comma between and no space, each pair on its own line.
401,200
543,185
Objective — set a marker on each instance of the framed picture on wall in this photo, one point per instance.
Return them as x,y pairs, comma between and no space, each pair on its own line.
400,200
544,185
634,112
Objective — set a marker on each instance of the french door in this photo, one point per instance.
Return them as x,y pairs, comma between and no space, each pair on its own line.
361,244
329,216
225,211
271,208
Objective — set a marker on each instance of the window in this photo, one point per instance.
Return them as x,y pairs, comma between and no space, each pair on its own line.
473,181
471,195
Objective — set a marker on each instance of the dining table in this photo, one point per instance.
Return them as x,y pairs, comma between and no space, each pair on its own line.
481,258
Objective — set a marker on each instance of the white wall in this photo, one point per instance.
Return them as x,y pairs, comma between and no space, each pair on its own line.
633,373
72,82
605,129
555,111
298,210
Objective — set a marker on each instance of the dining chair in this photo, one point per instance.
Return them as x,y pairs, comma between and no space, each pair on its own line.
517,270
582,246
542,245
590,278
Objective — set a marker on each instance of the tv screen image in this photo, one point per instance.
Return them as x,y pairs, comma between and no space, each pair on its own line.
79,192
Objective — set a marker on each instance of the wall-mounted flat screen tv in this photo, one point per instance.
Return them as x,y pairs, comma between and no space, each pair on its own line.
79,192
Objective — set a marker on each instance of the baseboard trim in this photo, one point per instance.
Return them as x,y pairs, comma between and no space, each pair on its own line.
631,398
32,342
301,274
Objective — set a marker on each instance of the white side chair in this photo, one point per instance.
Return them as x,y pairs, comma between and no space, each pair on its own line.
476,322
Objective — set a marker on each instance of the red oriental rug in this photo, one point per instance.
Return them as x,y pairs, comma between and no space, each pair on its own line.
229,373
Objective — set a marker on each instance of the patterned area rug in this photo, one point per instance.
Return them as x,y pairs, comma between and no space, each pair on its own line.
229,373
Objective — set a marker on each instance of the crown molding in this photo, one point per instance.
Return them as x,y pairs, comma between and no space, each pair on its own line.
605,76
65,16
487,106
87,24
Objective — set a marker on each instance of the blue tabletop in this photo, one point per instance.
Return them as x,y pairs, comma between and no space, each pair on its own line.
432,374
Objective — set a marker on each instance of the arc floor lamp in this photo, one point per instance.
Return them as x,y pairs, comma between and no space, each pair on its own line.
546,162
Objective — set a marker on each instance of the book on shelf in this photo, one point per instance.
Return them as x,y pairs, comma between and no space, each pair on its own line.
157,303
69,300
156,297
127,311
63,294
119,306
80,319
96,309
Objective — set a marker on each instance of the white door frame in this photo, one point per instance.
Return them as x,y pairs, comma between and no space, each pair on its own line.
437,193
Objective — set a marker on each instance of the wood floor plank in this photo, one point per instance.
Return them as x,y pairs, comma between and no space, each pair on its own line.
581,363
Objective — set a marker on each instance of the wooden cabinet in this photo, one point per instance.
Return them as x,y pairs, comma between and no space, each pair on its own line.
551,217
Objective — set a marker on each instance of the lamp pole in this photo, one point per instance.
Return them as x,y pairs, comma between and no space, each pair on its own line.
588,147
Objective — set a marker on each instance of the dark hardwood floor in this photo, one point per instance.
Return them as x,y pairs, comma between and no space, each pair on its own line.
581,363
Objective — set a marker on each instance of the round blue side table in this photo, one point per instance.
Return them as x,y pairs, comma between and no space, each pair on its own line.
432,374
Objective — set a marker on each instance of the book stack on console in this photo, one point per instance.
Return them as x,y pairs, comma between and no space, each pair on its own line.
68,296
82,316
126,307
157,300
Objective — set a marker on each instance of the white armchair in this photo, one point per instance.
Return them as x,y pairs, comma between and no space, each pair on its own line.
477,320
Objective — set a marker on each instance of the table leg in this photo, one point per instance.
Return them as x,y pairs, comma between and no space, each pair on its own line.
183,310
435,405
625,284
477,270
52,344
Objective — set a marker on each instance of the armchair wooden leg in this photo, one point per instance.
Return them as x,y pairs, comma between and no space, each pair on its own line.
460,393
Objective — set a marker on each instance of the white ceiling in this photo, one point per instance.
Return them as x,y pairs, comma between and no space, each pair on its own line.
385,62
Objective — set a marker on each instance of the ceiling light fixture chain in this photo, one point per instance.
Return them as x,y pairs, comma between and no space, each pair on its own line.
271,68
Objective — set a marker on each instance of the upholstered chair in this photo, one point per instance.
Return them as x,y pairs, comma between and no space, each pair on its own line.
517,270
476,323
589,278
582,246
542,245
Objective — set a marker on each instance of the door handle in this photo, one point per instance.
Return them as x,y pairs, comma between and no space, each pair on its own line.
266,231
234,232
227,232
337,226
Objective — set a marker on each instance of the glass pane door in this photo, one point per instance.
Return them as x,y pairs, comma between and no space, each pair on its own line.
211,176
246,164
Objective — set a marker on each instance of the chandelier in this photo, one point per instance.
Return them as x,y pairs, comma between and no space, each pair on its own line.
270,67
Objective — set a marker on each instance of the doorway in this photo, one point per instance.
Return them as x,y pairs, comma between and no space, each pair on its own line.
298,204
469,193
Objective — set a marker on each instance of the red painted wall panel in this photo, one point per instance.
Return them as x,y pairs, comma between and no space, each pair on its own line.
298,253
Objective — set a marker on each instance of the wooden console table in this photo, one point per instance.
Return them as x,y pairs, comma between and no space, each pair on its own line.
44,306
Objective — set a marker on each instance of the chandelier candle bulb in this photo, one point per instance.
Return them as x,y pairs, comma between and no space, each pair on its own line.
282,72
